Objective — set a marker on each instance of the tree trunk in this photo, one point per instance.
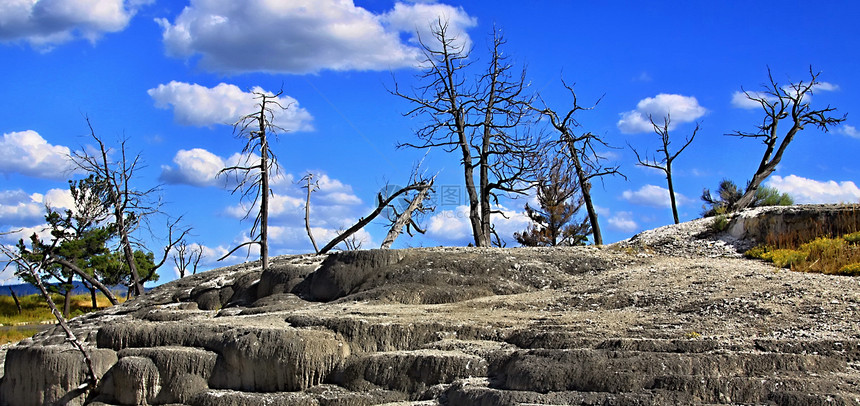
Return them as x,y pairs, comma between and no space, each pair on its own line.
92,380
671,191
67,298
404,218
264,199
92,281
308,216
95,300
585,188
366,220
15,298
136,288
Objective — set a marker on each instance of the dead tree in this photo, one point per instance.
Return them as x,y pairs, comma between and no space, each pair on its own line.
253,177
311,187
666,158
478,118
31,268
128,206
406,219
586,162
382,203
782,103
186,256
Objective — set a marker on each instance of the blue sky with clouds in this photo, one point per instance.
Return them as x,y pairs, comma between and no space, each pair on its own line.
170,76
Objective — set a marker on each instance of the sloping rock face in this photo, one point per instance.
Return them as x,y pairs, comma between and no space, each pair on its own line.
618,325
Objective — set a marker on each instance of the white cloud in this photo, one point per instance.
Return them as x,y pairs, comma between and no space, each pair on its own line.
196,167
654,196
848,130
16,207
19,208
47,23
741,101
825,87
333,206
623,221
805,190
224,104
27,153
302,36
453,226
683,109
11,235
418,21
450,226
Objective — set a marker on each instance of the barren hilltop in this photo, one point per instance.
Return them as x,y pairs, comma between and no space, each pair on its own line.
672,316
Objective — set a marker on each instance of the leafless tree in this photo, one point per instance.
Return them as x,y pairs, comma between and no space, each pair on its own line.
664,164
32,268
478,116
587,163
254,176
129,207
782,103
311,187
185,256
383,202
415,204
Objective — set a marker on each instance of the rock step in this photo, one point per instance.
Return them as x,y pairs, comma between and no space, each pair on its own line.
160,375
798,391
249,358
412,372
630,371
478,392
321,395
368,335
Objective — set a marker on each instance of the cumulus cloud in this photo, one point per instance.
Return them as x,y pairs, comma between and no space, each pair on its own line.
27,153
848,130
198,167
623,221
21,208
333,206
225,104
805,190
453,226
683,109
303,36
654,196
47,23
450,226
741,99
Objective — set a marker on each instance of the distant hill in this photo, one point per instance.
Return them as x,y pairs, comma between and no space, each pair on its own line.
24,289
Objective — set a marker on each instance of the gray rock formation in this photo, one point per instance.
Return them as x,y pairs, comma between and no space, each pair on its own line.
672,316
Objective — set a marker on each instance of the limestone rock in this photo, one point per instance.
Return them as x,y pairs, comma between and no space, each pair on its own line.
672,316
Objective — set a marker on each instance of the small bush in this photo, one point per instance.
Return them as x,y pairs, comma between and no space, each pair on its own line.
784,258
757,252
850,269
852,238
720,224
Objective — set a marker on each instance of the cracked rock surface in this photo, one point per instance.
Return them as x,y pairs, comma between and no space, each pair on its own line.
672,316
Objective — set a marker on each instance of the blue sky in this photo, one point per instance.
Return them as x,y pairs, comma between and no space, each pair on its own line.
169,76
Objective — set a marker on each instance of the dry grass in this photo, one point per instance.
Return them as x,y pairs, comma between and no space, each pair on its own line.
34,310
838,256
